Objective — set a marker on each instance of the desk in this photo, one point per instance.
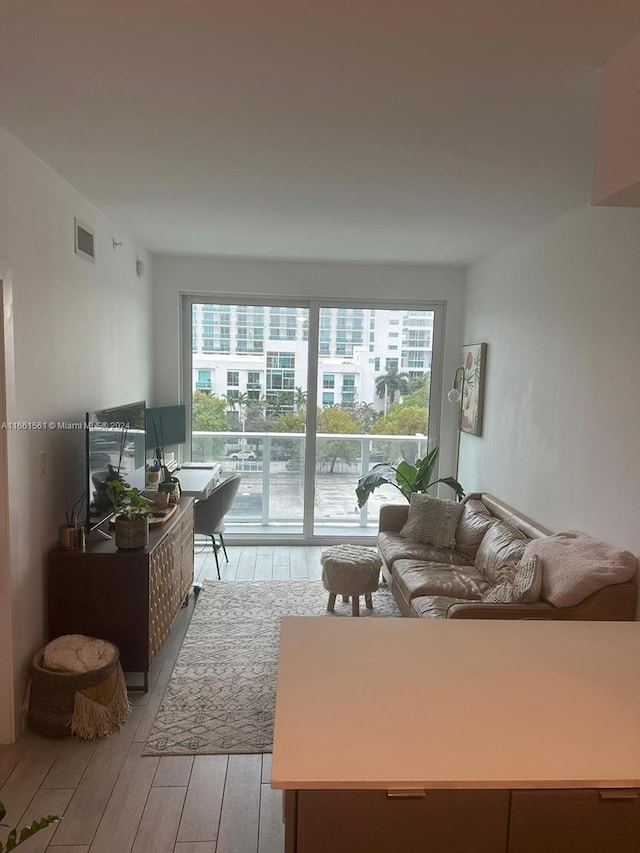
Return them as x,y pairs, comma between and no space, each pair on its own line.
491,736
198,483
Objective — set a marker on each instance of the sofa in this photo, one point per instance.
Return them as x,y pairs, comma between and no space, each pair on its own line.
431,581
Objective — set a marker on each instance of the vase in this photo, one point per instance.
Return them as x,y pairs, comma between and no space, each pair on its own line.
152,478
132,533
172,487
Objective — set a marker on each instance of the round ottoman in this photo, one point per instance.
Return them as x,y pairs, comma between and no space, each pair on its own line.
77,688
350,570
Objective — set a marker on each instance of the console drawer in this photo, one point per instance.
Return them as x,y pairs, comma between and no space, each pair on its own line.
411,822
584,820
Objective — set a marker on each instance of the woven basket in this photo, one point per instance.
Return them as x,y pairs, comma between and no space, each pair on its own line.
87,705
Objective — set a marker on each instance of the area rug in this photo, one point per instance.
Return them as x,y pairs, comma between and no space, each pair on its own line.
221,695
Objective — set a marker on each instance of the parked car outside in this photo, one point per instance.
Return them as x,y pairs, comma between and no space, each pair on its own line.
242,454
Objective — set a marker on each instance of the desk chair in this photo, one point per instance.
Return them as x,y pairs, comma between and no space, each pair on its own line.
209,514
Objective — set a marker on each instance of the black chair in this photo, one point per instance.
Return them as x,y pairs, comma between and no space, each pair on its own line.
209,514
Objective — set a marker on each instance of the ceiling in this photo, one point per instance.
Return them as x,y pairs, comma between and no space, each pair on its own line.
416,130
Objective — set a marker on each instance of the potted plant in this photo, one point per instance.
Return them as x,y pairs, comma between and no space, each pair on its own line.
131,510
132,527
14,840
160,475
405,477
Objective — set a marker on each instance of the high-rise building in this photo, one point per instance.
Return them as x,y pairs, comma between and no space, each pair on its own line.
260,352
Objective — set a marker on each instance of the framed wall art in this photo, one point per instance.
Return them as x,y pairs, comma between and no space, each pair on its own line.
474,358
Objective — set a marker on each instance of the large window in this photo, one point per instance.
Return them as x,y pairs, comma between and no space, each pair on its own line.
301,445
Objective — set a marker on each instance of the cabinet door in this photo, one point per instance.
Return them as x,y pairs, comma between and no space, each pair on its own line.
164,594
584,821
379,822
186,553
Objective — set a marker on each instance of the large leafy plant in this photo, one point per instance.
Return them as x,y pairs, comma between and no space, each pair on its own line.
14,839
405,477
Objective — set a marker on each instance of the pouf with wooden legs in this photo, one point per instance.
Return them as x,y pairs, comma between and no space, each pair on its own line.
350,571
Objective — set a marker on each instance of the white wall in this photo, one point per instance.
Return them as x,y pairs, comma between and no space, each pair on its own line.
82,340
173,276
560,311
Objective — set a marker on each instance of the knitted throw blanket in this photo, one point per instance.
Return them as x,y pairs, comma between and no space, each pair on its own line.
575,565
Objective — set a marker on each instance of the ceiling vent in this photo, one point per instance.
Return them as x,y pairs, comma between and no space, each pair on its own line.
84,242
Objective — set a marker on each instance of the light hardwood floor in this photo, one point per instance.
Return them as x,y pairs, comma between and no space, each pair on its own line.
114,800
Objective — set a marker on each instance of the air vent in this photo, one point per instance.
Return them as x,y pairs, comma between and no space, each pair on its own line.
84,243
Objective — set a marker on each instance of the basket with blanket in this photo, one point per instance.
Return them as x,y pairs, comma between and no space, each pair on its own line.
77,688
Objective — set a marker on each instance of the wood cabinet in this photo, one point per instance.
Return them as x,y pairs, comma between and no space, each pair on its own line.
392,821
585,820
127,597
445,821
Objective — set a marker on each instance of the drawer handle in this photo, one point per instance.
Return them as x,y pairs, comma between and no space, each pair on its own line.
614,794
406,794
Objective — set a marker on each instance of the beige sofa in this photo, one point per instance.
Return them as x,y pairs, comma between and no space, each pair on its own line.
429,581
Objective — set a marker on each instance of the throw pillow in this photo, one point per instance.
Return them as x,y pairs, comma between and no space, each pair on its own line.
576,565
523,584
502,545
432,520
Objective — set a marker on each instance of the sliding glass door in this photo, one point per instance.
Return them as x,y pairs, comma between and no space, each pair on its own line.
301,399
374,384
248,407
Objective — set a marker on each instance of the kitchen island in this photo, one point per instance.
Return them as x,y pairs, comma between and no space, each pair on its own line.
444,735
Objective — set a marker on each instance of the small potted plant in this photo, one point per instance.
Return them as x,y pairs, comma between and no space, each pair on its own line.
132,527
132,515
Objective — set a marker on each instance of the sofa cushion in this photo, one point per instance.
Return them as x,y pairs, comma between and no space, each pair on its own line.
414,577
575,565
474,523
522,583
432,520
501,545
393,547
433,606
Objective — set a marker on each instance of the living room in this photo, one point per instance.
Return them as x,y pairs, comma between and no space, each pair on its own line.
556,300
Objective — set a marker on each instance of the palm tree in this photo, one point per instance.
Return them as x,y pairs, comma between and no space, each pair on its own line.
237,400
391,383
300,398
282,401
367,415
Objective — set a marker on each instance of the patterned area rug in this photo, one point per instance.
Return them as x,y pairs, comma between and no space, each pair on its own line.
221,695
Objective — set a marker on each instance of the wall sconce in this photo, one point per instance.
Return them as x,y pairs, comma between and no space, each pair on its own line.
455,395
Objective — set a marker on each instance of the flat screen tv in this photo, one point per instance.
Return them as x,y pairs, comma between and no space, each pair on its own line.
115,443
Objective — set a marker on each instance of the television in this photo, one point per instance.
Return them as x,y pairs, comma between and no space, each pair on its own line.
115,443
165,425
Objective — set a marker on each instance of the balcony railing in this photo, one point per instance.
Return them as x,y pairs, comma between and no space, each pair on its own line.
271,495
